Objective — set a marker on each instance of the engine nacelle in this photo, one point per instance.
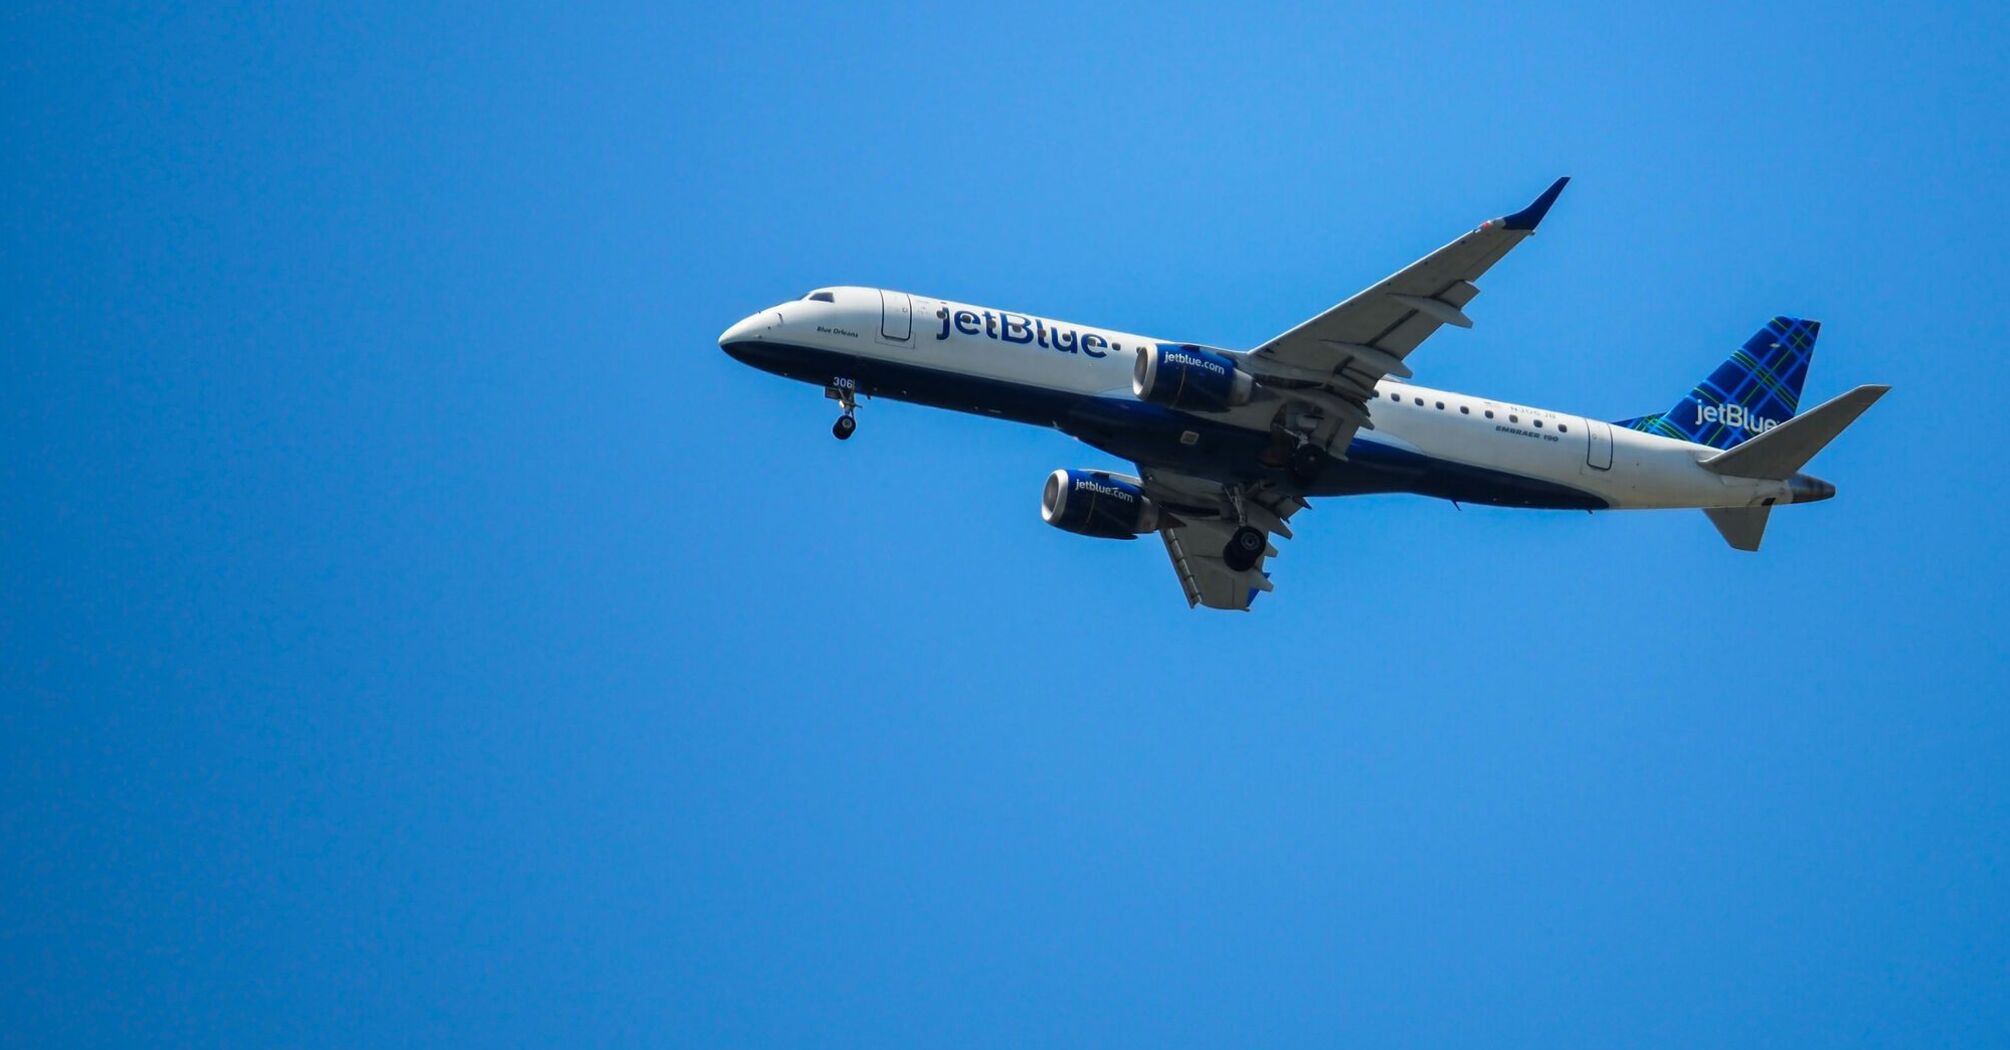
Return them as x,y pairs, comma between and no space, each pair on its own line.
1180,375
1098,503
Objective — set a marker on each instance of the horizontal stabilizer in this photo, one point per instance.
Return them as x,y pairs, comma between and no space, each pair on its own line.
1781,451
1741,526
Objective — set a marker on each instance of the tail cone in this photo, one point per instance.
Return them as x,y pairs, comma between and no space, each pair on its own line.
1807,489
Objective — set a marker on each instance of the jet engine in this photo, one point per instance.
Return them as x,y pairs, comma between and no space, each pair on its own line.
1098,503
1185,376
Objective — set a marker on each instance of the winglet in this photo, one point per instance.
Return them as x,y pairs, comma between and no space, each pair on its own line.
1527,218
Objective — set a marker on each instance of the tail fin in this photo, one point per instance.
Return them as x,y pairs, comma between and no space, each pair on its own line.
1756,389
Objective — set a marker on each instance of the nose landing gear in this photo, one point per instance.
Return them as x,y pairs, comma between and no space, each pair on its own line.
845,393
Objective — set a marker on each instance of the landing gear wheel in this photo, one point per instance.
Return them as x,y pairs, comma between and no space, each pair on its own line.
844,391
1306,462
1244,547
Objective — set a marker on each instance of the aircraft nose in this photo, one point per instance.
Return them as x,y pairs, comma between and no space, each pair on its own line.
749,328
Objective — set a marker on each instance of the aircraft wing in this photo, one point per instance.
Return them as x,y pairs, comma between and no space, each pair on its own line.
1206,518
1335,359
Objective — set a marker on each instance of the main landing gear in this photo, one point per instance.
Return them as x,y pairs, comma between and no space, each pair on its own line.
1294,452
845,393
1245,545
1306,462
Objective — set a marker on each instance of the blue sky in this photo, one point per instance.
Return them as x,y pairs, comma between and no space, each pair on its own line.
415,630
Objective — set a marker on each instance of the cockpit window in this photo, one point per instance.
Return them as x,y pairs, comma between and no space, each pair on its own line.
821,297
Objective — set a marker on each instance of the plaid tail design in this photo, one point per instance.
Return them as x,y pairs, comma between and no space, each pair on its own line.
1757,388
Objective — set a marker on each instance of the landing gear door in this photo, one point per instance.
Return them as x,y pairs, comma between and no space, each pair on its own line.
896,317
1598,454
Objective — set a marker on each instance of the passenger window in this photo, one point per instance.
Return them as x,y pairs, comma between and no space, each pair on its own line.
1420,402
1538,424
1395,397
1563,428
1490,413
1512,418
1441,406
1464,411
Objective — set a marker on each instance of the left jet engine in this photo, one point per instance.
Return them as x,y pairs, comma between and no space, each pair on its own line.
1098,503
1190,377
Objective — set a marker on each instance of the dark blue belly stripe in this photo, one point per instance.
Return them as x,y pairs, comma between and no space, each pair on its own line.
1151,435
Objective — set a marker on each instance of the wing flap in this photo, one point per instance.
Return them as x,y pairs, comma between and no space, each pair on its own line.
1195,541
1195,549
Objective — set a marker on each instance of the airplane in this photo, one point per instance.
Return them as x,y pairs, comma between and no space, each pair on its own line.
1229,445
